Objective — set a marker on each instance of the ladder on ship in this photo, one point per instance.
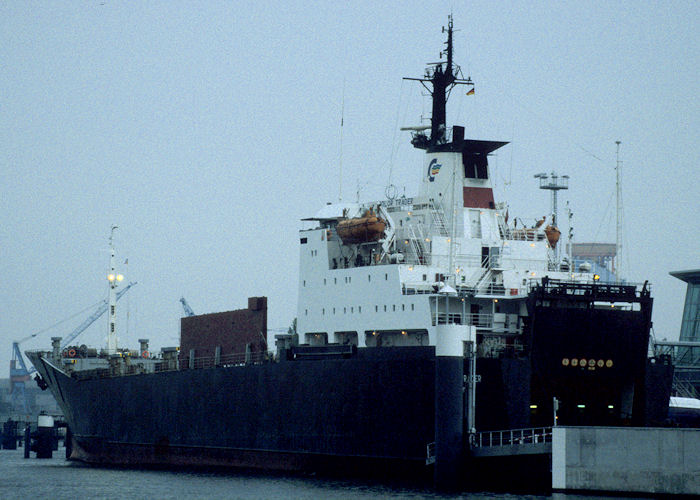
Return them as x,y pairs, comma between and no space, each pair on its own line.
503,227
485,278
437,213
416,245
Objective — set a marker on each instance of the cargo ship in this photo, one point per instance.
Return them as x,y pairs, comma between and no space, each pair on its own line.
420,321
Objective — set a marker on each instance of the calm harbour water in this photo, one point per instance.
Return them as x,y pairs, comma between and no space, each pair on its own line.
59,479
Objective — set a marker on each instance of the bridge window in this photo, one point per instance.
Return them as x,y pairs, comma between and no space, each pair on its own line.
475,166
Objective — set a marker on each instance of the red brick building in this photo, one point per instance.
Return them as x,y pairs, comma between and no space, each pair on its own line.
227,336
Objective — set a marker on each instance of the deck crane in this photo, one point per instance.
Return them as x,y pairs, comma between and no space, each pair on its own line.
93,317
188,310
19,373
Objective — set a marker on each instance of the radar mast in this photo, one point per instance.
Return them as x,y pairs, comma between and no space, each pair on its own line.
439,82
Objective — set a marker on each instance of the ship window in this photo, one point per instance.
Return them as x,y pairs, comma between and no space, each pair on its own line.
304,282
324,281
393,307
352,309
359,309
475,166
384,307
403,307
412,307
386,276
376,308
306,312
335,281
425,277
369,277
303,241
323,311
334,310
345,310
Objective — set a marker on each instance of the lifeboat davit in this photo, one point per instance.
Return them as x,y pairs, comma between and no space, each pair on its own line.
363,229
552,235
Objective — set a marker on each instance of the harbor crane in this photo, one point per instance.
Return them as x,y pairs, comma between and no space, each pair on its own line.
93,317
188,310
19,373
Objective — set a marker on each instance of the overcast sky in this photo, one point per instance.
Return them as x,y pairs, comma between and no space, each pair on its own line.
207,130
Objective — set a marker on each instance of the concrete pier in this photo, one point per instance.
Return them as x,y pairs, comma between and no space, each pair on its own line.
631,460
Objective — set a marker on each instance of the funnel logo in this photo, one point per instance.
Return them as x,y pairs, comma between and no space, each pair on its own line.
433,169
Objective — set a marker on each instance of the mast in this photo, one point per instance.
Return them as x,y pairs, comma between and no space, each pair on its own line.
114,280
618,214
441,81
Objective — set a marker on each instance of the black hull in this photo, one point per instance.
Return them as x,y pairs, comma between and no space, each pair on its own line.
96,451
376,406
371,409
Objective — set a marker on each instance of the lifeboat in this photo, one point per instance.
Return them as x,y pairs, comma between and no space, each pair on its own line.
363,229
552,235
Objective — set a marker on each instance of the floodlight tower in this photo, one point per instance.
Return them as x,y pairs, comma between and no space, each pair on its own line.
554,183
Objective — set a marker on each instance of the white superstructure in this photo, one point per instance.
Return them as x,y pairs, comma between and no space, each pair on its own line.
394,272
396,290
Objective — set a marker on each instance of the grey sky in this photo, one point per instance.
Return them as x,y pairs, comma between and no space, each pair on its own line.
207,130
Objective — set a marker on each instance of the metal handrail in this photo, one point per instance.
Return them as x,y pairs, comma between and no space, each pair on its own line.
477,319
512,437
137,366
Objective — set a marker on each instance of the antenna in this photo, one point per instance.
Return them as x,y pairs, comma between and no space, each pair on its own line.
618,216
554,183
340,159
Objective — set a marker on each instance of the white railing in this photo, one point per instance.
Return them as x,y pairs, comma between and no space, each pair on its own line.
512,437
478,320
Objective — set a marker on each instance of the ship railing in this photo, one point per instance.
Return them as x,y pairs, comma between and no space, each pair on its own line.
522,234
478,320
225,360
417,289
596,290
511,437
495,289
683,354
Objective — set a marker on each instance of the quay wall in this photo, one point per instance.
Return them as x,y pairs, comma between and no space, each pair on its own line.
626,459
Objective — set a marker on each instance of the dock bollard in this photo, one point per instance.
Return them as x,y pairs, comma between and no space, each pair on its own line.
27,440
43,442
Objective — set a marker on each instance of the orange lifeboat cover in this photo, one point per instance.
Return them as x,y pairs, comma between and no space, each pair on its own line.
552,235
363,229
